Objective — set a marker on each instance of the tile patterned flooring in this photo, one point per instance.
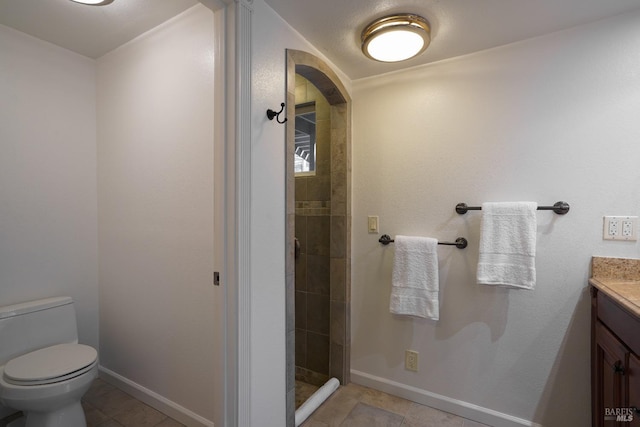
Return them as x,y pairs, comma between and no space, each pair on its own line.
357,406
349,406
107,406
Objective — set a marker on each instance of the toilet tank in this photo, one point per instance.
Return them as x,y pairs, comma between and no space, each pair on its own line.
37,324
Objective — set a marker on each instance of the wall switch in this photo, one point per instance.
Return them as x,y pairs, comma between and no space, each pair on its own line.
620,228
372,223
411,360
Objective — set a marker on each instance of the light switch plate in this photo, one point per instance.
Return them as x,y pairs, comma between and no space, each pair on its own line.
372,223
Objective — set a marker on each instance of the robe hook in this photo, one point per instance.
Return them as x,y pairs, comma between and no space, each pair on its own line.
271,114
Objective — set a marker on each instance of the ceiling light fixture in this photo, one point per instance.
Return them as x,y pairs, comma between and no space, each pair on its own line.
396,38
93,2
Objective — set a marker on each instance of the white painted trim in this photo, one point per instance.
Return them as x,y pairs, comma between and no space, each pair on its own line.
153,399
236,271
229,396
229,272
215,5
443,403
239,190
223,399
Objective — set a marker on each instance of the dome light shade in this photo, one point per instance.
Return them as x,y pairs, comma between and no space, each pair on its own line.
396,38
93,2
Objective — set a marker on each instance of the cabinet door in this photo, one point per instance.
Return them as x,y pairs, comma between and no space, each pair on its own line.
610,365
634,389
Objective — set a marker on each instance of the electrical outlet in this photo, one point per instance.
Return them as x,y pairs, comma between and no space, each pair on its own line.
614,227
411,360
630,228
620,228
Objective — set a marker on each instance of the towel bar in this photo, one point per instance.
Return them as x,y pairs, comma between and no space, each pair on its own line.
460,242
560,208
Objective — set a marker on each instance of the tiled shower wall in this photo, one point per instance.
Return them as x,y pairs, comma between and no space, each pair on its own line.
322,227
313,228
336,217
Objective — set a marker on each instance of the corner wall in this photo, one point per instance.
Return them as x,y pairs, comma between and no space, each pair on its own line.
155,187
48,197
552,118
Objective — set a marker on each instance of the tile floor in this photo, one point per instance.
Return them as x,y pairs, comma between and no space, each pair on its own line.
356,406
107,406
349,406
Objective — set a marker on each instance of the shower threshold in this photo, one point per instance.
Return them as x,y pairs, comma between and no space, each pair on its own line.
315,400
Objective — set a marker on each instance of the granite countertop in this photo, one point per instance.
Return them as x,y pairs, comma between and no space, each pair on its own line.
619,278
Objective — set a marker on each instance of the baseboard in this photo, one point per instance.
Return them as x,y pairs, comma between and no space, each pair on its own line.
153,399
444,403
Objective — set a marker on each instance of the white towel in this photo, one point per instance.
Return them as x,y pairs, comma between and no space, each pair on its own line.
508,245
415,286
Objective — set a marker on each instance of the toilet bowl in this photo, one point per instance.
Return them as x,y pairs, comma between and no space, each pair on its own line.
47,384
47,381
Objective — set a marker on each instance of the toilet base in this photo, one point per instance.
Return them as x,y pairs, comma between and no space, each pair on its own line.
69,416
17,420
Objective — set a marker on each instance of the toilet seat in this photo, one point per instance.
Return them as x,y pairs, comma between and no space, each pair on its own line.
50,365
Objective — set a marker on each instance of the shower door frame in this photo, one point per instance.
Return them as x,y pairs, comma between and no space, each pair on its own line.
320,74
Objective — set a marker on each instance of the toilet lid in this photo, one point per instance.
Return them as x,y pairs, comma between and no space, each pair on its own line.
50,363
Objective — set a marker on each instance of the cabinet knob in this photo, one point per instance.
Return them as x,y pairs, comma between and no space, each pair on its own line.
618,368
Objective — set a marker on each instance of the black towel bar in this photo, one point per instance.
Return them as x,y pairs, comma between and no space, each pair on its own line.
460,242
560,208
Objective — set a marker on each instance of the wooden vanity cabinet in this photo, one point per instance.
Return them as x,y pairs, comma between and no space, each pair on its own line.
615,365
610,364
634,388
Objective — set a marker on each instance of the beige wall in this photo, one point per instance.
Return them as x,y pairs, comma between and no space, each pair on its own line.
155,193
552,118
48,198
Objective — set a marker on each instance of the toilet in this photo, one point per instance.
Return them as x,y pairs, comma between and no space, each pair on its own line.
44,372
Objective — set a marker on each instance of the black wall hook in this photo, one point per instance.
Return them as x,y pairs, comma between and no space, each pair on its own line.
271,114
